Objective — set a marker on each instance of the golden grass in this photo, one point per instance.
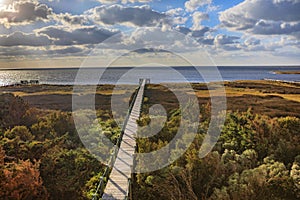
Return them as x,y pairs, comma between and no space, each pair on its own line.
267,97
264,97
234,92
100,92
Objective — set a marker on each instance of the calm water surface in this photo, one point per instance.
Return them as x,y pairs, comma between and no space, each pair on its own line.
157,75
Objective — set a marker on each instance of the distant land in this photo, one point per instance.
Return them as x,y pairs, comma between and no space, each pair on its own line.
287,72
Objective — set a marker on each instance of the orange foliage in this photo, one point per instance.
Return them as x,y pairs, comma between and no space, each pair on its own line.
2,156
21,181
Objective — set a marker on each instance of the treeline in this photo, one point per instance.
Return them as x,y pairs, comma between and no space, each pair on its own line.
41,155
256,157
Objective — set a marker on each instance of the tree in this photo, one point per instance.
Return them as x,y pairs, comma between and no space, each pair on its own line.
65,172
12,109
268,181
287,134
238,133
21,132
295,175
20,180
16,142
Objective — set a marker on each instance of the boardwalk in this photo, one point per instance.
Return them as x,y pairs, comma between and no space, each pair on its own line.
117,186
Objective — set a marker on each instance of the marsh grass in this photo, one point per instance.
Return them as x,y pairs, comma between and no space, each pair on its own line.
264,97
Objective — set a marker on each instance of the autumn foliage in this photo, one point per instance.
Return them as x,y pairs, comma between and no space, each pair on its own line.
42,157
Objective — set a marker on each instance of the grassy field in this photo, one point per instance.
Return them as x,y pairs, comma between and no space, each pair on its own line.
264,97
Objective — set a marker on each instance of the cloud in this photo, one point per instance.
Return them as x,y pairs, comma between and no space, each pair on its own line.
275,28
206,41
180,39
183,30
193,5
198,17
225,39
69,19
23,12
123,1
78,36
132,16
175,12
178,15
150,50
228,43
193,33
155,37
66,50
198,35
265,17
252,42
23,39
58,36
200,32
17,51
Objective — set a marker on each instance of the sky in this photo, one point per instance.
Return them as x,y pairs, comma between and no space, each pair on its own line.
65,33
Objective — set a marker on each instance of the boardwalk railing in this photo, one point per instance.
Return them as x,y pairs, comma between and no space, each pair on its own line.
114,190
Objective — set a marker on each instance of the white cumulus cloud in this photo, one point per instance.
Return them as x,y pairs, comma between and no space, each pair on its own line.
193,5
265,17
198,17
23,12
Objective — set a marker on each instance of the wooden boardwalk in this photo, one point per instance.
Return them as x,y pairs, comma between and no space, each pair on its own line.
117,185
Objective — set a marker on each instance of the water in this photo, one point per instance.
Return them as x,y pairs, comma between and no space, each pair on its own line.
157,75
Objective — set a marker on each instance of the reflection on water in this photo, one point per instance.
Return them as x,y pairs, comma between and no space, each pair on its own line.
112,75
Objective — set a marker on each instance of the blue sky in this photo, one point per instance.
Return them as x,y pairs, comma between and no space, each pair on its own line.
63,33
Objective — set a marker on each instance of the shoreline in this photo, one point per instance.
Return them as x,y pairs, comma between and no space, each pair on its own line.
128,67
133,84
286,72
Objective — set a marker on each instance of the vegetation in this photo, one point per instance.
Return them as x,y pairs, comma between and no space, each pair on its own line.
274,99
41,156
257,155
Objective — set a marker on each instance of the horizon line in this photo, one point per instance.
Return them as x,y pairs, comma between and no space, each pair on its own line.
124,67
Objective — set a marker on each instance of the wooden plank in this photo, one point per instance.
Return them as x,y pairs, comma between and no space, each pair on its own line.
117,185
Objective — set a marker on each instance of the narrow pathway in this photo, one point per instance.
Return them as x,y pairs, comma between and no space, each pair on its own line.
117,185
